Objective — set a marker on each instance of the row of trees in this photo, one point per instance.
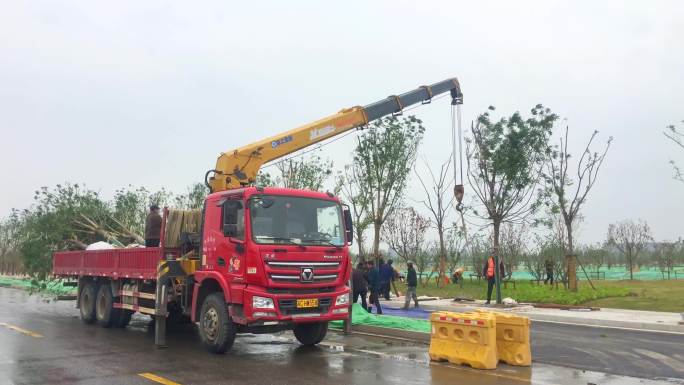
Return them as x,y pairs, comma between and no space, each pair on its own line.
71,216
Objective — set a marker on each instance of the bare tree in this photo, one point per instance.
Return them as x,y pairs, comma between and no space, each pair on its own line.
569,193
504,167
630,238
677,137
404,232
439,199
513,244
455,245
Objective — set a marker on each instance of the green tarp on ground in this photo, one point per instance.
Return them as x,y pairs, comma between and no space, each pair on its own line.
362,317
52,287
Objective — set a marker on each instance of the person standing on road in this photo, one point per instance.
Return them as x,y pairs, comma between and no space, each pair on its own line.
374,287
153,224
359,285
489,273
411,285
548,264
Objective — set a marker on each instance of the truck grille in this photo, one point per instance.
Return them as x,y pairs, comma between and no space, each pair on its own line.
289,271
289,307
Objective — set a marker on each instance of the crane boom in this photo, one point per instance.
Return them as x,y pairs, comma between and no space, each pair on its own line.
240,167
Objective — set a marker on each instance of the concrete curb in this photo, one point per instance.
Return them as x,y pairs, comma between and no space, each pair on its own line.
636,325
579,321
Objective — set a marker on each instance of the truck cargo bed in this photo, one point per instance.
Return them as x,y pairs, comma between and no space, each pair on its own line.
115,263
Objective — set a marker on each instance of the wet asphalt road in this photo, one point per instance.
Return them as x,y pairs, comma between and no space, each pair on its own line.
44,342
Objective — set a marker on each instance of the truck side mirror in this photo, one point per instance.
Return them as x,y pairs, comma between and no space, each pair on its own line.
348,225
230,217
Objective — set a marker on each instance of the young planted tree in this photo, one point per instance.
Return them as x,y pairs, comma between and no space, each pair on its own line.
348,185
385,155
513,243
568,193
455,244
630,238
404,232
439,200
505,158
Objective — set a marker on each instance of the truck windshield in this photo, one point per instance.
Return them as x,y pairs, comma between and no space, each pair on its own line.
294,220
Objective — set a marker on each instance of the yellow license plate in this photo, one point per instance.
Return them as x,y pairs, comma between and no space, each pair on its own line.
304,303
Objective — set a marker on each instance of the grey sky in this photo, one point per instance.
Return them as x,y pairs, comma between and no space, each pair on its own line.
148,93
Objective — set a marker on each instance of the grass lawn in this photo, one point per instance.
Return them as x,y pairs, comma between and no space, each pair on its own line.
637,295
667,295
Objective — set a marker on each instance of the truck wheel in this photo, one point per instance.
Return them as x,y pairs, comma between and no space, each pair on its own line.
215,326
123,319
105,312
310,333
87,302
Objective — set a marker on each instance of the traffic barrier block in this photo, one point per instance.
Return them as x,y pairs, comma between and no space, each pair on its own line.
512,338
464,338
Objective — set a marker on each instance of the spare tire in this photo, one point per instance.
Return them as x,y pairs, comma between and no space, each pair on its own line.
87,302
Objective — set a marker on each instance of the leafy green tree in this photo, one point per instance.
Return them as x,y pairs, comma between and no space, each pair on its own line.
10,237
349,187
385,154
504,167
310,173
52,224
194,197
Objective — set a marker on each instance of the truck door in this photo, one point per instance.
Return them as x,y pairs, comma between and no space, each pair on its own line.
230,257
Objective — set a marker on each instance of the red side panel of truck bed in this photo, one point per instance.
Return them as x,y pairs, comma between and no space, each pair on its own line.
114,263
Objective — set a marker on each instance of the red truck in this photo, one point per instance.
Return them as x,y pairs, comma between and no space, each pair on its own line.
253,260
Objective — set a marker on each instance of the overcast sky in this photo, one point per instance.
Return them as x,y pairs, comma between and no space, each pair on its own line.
149,93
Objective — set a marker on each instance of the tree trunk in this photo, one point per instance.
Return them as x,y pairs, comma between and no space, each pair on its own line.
359,241
631,267
376,240
570,261
497,271
442,258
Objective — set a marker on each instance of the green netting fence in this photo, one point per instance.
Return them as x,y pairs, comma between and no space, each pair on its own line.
52,287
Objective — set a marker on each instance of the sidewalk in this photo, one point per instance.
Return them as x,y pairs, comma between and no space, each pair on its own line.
631,319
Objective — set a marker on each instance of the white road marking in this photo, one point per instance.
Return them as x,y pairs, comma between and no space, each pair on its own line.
669,361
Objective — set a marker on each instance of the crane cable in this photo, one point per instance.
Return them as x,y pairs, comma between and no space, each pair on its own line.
458,171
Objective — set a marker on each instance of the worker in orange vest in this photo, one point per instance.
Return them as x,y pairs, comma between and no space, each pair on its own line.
490,274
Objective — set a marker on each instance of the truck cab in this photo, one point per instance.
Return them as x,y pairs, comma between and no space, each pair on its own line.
278,258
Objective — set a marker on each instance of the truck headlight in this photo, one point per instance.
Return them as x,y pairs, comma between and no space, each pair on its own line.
262,303
342,299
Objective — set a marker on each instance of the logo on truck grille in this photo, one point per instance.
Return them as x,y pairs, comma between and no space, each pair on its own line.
307,274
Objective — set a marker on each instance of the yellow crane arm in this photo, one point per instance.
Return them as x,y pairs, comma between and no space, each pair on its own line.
240,167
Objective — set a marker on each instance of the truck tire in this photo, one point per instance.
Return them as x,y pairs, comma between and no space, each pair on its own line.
87,302
123,319
215,326
105,313
310,333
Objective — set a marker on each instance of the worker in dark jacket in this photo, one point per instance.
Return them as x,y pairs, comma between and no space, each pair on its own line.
411,285
374,287
360,285
548,265
386,276
490,274
153,224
